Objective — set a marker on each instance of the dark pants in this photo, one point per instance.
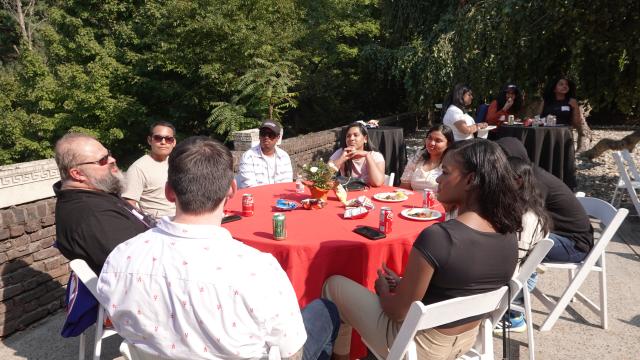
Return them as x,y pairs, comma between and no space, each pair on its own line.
321,321
564,250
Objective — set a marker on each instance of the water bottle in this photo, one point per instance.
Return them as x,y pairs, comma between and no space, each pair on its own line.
299,185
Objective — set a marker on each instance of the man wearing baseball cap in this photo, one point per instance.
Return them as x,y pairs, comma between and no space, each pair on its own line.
265,163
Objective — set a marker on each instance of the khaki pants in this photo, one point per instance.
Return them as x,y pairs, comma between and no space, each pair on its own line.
360,308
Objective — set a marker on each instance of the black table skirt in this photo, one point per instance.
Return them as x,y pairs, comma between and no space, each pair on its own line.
389,141
551,148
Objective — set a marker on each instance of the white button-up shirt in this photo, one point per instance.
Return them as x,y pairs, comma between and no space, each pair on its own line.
255,169
192,291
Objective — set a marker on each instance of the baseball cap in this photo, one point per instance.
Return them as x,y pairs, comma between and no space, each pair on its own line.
271,125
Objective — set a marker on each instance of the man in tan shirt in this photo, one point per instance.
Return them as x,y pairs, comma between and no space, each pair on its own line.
147,176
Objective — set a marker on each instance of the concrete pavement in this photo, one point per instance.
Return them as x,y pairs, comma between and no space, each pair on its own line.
576,335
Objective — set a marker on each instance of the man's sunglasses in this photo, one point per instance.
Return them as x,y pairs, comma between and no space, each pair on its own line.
102,161
167,139
269,134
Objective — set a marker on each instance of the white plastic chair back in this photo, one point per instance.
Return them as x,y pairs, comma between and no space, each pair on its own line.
611,219
421,317
90,280
626,182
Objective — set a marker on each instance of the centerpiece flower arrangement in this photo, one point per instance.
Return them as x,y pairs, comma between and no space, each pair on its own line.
319,178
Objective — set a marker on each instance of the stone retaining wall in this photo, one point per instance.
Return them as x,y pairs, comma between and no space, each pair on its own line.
33,274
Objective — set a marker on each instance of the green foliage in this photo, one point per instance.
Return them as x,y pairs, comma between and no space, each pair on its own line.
488,43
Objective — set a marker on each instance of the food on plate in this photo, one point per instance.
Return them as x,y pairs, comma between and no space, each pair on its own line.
360,201
420,213
398,195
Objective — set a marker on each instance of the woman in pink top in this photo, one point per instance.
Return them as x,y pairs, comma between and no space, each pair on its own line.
357,158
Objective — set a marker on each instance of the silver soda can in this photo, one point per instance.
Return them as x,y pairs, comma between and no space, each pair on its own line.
511,119
279,226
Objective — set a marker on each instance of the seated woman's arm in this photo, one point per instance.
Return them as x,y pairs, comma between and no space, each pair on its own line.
375,168
338,159
462,126
413,286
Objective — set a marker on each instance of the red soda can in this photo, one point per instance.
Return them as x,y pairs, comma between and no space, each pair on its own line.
428,199
386,220
247,205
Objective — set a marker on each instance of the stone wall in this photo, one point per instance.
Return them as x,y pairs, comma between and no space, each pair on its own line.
33,273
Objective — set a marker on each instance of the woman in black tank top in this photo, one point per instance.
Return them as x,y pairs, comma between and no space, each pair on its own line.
559,99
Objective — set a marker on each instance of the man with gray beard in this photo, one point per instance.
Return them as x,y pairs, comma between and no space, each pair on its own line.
91,217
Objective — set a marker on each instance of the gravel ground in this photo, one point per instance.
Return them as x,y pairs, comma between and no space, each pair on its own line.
596,177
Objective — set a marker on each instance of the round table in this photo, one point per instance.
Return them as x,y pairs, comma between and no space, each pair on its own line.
389,141
320,242
550,147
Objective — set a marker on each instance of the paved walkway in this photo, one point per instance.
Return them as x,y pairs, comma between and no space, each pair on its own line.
576,335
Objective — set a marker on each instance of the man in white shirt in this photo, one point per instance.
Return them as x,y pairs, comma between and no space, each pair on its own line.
265,163
188,290
144,187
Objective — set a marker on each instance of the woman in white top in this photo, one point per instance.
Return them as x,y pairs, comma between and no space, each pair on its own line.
423,169
462,124
358,159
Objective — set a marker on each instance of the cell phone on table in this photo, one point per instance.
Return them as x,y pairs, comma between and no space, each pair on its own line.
369,232
231,218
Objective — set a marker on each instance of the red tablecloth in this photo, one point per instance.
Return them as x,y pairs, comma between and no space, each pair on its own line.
321,243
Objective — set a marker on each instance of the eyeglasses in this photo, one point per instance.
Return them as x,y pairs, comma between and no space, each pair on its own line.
102,161
269,134
167,139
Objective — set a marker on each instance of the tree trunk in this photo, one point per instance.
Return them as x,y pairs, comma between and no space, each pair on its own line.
628,142
584,131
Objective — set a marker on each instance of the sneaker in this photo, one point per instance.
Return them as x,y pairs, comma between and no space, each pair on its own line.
514,324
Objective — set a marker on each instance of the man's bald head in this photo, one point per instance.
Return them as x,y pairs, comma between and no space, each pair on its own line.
71,150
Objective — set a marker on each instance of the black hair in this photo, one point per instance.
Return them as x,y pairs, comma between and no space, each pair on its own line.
497,192
161,123
457,95
200,174
549,96
502,98
531,196
367,145
446,132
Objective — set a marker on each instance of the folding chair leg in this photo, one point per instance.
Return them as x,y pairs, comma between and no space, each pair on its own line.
572,273
529,318
562,303
98,338
82,346
615,194
603,296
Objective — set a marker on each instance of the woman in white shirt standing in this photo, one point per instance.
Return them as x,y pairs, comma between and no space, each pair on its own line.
461,123
424,168
357,158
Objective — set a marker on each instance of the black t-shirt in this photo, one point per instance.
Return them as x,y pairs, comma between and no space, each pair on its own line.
561,109
465,261
90,224
569,219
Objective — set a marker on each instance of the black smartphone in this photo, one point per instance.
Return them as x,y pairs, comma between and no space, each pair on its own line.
231,218
369,232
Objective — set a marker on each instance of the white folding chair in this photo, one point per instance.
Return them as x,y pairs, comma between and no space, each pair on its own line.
421,317
90,280
534,258
626,181
388,179
611,220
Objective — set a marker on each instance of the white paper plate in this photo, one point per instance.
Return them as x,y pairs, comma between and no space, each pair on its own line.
490,127
384,196
410,214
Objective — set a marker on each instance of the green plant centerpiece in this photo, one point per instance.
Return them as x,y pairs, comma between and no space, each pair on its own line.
319,178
